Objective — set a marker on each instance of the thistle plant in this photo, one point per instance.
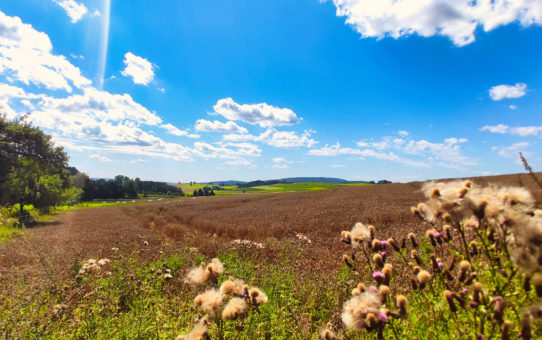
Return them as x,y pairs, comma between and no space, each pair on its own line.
231,302
475,273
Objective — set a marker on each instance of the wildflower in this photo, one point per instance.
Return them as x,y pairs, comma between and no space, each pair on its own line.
356,310
236,308
378,276
103,262
505,330
360,233
168,276
498,309
394,244
257,297
361,287
387,273
412,239
199,332
377,258
464,266
115,250
423,277
477,288
232,286
327,334
537,283
211,301
430,234
400,302
198,275
449,298
346,237
384,292
414,254
471,278
347,260
215,268
447,232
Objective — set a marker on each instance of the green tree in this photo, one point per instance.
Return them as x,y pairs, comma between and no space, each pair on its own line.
33,170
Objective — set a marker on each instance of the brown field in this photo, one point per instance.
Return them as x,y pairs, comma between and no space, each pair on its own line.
45,254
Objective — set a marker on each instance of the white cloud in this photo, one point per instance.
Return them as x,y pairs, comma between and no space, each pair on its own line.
96,13
336,150
101,105
512,151
25,56
99,157
522,131
281,163
74,9
403,133
289,139
278,139
226,151
447,154
138,161
457,19
173,130
243,162
513,107
217,126
140,69
337,166
262,114
501,92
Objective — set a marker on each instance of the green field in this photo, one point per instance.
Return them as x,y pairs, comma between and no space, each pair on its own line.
281,187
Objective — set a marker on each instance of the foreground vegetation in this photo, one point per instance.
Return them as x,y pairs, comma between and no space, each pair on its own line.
463,274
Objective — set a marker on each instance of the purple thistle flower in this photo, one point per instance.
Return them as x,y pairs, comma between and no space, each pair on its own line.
373,289
383,254
437,234
384,243
464,292
378,274
383,317
440,265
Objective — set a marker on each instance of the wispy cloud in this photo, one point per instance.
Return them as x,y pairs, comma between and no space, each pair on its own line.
523,131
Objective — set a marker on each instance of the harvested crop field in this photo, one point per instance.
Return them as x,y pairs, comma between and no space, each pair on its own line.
295,234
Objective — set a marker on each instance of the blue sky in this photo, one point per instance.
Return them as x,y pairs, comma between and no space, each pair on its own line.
209,90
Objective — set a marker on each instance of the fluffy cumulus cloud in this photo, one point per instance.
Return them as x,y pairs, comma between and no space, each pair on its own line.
26,56
261,114
456,19
281,163
522,131
79,116
501,92
278,139
447,154
217,126
173,130
74,9
140,69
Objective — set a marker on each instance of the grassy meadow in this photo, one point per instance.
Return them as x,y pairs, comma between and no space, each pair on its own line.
280,187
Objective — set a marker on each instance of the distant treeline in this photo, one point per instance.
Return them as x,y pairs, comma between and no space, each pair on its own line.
258,183
124,187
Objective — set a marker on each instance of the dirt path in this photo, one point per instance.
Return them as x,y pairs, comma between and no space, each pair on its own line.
45,253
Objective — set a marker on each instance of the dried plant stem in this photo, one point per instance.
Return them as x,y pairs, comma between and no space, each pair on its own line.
530,170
